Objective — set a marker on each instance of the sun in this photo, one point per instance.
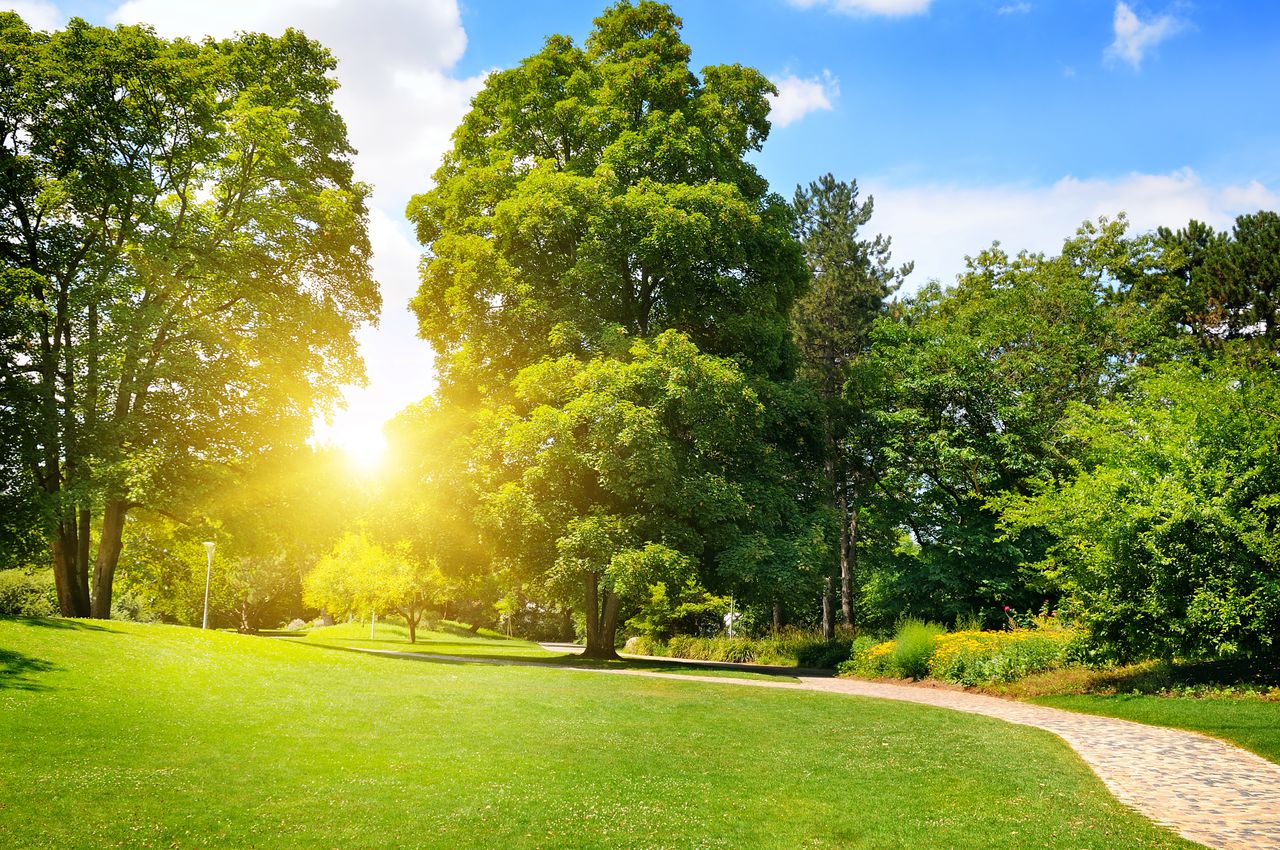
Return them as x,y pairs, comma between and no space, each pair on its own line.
360,439
365,452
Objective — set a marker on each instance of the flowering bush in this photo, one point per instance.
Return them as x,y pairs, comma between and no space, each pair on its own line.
969,657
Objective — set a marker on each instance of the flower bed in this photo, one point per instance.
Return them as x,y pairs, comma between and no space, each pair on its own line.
969,657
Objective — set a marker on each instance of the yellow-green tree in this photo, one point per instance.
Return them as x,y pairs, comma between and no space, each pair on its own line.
359,576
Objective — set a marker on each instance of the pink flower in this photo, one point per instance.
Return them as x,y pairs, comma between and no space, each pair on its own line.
1006,609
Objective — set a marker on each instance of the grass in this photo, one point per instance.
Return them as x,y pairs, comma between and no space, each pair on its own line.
457,639
126,735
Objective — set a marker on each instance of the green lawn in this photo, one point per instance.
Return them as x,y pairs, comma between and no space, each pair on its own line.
456,639
450,639
1249,722
123,735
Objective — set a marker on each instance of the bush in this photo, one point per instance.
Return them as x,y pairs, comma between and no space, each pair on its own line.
128,605
966,657
786,649
24,594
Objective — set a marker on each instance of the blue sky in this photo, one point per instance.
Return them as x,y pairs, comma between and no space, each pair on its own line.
969,120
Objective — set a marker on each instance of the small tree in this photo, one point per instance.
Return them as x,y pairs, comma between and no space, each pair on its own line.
359,576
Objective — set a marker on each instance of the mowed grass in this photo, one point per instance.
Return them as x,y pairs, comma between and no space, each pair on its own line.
123,735
456,639
1247,722
449,639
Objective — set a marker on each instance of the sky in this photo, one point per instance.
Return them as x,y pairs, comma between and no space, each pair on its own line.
968,121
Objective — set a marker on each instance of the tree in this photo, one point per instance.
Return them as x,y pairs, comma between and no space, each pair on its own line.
1242,278
615,475
196,257
603,191
595,198
969,389
832,326
1165,530
359,576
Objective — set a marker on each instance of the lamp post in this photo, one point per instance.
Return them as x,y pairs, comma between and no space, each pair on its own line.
208,548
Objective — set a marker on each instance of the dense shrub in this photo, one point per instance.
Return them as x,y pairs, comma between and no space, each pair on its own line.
786,649
967,657
24,594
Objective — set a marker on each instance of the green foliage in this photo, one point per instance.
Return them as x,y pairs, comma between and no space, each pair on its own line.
200,264
602,190
25,594
913,646
688,609
627,473
968,389
1165,532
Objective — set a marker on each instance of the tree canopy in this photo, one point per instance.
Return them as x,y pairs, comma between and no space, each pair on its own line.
183,225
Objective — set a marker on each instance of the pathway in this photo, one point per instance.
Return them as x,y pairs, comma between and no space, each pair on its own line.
1206,790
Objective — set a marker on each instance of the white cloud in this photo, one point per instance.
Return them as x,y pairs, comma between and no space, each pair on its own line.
798,97
38,14
938,225
1014,9
1134,37
401,103
888,8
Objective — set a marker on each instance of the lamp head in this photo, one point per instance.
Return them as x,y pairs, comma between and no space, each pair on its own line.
208,547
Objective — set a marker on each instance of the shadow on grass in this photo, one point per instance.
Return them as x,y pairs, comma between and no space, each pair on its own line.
576,662
16,669
63,623
473,632
1160,677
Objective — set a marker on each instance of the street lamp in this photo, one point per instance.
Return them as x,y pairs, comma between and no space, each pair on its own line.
208,548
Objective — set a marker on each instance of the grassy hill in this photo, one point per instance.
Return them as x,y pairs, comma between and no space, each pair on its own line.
123,735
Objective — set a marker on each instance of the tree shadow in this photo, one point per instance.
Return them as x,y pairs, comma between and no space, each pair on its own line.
578,663
63,623
16,670
1161,677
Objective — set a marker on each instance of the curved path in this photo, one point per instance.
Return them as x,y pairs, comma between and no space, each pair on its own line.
1206,790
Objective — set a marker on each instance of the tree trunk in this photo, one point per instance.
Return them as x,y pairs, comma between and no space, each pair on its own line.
848,563
847,526
777,616
411,616
566,624
104,568
72,585
602,626
828,609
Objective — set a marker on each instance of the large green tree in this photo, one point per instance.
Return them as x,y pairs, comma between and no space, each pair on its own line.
196,257
596,197
602,190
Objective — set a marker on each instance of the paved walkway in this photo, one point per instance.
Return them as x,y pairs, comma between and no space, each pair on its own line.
1208,791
